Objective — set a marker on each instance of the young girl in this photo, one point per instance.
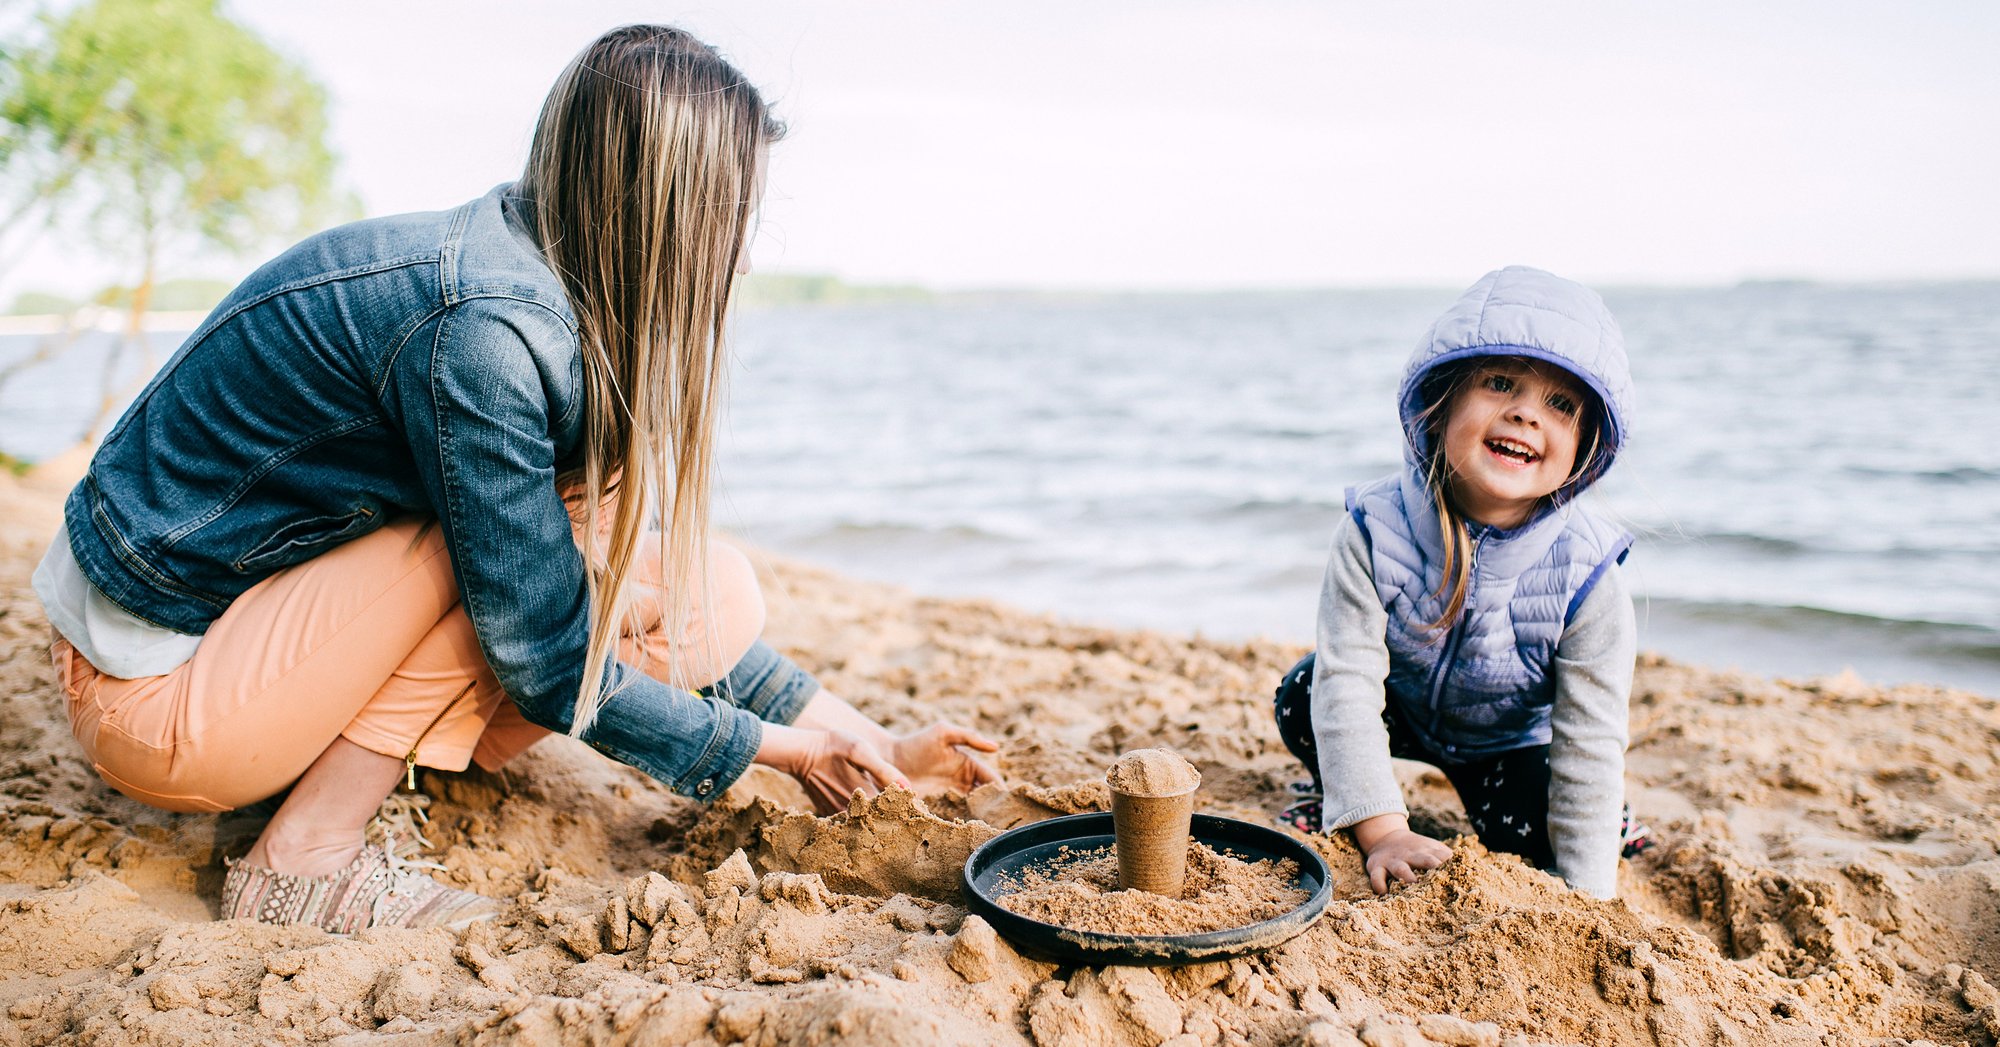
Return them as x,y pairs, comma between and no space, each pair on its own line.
425,488
1473,616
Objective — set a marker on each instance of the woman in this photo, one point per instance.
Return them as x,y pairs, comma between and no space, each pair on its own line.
425,488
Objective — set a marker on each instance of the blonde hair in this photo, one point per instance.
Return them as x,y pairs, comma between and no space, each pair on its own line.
642,178
1441,390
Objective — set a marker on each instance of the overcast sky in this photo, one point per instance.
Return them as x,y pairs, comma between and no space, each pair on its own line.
1164,144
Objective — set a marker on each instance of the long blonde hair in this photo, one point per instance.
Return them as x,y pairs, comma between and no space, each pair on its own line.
642,178
1441,391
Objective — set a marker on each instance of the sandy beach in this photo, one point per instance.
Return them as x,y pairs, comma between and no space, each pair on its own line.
1827,872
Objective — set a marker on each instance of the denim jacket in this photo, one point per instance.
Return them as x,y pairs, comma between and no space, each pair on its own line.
422,363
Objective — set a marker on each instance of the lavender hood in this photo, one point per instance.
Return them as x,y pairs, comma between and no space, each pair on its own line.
1519,311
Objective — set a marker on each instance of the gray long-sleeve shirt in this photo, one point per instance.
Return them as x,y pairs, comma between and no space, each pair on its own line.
1593,675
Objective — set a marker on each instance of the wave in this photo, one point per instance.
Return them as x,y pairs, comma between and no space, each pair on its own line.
1322,509
1770,545
1958,475
1915,636
1287,432
855,530
1776,547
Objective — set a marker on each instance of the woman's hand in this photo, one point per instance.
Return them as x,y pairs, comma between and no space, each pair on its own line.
936,760
830,764
1396,851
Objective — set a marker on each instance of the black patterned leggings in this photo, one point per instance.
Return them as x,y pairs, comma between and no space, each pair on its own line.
1506,796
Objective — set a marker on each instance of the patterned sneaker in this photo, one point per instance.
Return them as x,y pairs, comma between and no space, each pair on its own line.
377,889
398,827
1305,816
1635,836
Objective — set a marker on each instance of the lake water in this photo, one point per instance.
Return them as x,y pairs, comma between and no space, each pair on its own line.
1814,472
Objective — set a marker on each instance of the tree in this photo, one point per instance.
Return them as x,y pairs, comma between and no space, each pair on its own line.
149,124
20,190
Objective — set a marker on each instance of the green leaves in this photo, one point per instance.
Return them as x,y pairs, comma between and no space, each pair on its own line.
151,121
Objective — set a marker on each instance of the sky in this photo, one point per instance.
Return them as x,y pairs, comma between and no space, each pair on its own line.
1179,145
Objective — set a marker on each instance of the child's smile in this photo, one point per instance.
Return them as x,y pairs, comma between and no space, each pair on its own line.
1510,439
1513,450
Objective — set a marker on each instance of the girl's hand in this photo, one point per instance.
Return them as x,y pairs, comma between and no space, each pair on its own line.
1396,851
830,764
936,760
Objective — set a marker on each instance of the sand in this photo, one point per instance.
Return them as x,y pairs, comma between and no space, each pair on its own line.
1222,891
1153,772
1828,873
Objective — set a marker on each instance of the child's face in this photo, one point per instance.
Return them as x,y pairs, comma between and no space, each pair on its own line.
1510,439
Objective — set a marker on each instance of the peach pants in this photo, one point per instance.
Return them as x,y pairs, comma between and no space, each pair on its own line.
367,642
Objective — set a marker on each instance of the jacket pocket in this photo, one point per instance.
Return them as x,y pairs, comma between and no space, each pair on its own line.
303,539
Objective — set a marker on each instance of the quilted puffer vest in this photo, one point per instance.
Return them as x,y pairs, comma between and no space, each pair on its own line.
1485,685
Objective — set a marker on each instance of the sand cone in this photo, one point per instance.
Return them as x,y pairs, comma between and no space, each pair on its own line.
1152,805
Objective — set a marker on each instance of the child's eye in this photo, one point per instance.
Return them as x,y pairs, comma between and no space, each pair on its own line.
1499,383
1562,404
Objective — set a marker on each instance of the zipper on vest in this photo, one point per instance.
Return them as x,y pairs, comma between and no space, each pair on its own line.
1453,640
410,759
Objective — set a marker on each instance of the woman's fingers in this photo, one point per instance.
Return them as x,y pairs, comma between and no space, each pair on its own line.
825,799
832,797
837,765
864,756
980,772
853,779
953,734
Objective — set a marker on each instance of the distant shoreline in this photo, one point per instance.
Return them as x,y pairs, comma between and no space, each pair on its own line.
764,290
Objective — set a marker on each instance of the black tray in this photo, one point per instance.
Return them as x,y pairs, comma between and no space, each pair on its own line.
1036,844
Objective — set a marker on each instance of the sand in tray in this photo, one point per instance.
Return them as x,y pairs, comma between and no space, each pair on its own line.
1080,890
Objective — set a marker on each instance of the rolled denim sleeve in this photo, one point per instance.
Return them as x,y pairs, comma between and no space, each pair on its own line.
767,684
474,391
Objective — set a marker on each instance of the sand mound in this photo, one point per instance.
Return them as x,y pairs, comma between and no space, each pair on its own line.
1152,772
1828,874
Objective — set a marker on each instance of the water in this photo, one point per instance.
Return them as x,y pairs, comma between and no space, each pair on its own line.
1814,476
47,406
